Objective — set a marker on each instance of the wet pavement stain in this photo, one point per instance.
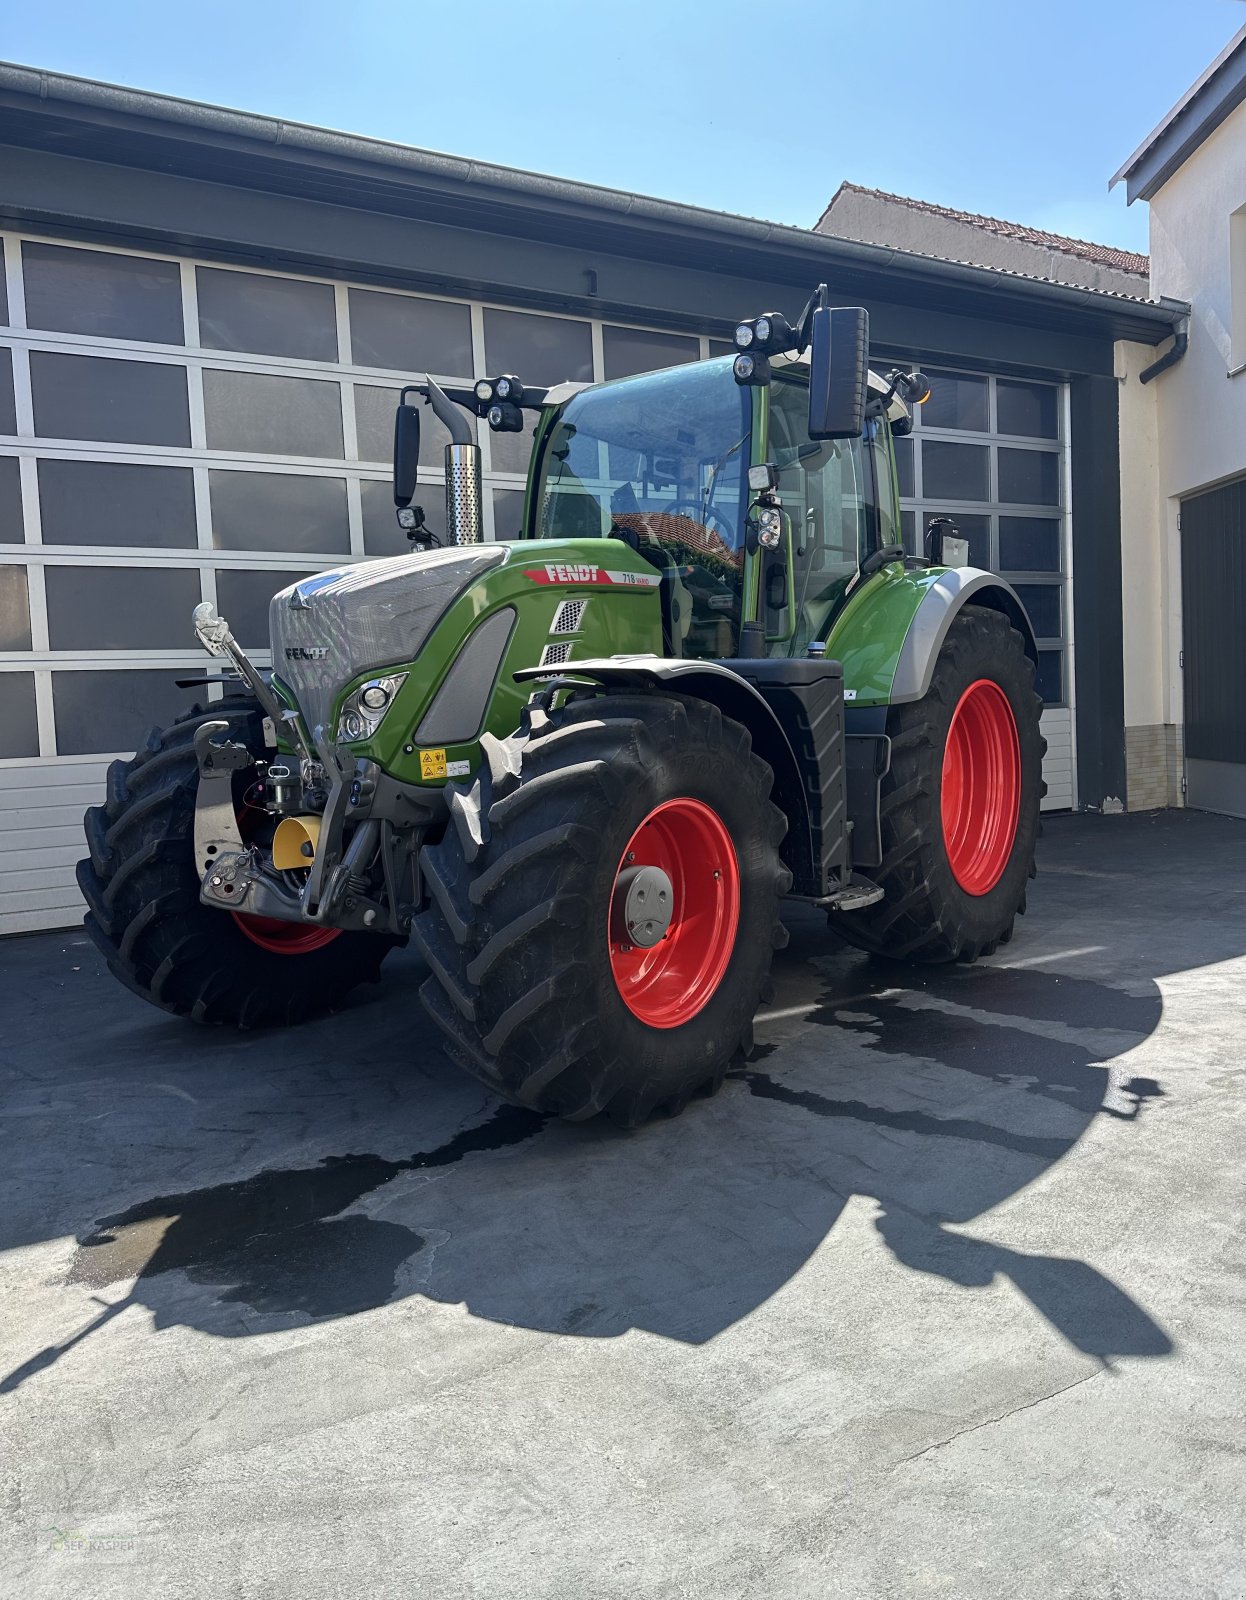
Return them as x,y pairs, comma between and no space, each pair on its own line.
276,1241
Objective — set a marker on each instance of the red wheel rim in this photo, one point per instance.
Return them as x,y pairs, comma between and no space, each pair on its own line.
669,983
270,933
981,791
284,938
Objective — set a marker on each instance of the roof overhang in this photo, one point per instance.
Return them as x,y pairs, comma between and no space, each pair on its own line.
1200,111
132,128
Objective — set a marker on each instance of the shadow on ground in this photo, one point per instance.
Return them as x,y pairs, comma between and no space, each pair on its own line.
936,1095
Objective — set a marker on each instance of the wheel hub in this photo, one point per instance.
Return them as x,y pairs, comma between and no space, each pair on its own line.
644,903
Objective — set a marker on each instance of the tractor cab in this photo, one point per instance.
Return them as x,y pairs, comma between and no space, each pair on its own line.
683,464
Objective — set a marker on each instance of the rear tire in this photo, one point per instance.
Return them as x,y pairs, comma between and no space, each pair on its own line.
927,914
518,933
145,915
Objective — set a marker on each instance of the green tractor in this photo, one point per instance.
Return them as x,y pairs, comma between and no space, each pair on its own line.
584,770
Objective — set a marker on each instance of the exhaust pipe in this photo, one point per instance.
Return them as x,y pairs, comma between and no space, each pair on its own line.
464,506
464,514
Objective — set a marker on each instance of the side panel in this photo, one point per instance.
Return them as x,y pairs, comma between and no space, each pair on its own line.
620,614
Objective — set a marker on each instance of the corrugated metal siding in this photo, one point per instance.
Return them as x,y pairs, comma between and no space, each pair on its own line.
1057,726
41,806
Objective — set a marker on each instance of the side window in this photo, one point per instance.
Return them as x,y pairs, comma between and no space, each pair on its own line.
888,506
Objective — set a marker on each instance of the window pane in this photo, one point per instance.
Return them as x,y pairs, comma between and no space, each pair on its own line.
121,608
904,467
507,513
1026,408
538,349
374,428
1042,601
1029,544
629,350
118,402
11,531
954,471
511,452
275,316
4,296
92,291
243,598
955,402
720,347
14,608
19,727
908,524
256,413
1049,679
1029,477
8,413
115,710
278,511
976,528
395,330
111,503
381,534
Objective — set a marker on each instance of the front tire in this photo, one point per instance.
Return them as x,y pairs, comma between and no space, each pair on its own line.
959,807
142,889
536,983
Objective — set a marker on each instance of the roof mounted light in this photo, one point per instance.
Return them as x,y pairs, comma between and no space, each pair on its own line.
751,370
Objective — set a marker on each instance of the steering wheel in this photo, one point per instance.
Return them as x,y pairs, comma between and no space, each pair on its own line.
701,514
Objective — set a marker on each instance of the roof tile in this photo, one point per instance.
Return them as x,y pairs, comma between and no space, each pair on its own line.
1103,254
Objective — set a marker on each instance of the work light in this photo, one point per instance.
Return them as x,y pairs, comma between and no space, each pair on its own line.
751,369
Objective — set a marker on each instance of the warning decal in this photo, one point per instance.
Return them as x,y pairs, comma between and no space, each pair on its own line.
432,764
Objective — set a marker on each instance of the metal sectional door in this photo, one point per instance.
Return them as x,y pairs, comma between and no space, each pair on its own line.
1213,591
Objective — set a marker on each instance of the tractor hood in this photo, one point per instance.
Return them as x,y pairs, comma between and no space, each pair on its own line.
329,629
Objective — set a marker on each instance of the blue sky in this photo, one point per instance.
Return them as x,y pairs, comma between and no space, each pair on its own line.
1015,108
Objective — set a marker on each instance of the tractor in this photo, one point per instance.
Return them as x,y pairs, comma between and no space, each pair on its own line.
583,770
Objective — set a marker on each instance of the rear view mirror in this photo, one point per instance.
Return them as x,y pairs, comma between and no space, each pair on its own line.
406,453
839,351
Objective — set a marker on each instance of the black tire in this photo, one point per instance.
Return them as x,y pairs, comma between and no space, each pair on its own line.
515,933
145,915
925,915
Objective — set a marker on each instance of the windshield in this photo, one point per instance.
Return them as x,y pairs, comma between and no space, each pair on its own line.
660,460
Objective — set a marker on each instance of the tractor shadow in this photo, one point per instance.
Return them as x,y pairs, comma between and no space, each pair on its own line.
935,1098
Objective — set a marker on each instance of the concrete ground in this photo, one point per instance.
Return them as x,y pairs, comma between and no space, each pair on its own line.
943,1295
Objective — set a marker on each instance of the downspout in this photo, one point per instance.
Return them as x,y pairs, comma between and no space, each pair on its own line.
1180,344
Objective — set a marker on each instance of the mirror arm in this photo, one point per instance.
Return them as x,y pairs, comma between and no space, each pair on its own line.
818,300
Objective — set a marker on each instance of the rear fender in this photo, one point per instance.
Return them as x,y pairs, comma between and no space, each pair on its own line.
942,602
890,633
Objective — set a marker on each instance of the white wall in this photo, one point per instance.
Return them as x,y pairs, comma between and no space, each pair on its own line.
1183,432
1202,410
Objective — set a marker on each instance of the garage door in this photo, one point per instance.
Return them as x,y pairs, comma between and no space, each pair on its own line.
990,452
1213,606
175,430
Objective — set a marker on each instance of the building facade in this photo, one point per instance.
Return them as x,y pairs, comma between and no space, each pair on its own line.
205,321
1184,466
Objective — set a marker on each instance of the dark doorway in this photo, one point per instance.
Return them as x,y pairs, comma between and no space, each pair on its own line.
1213,588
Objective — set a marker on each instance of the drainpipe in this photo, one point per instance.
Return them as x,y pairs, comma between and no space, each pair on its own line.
1180,343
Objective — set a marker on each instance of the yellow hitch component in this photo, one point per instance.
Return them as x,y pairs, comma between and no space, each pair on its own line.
295,842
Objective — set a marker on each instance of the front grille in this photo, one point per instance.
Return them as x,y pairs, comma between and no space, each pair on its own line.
330,628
